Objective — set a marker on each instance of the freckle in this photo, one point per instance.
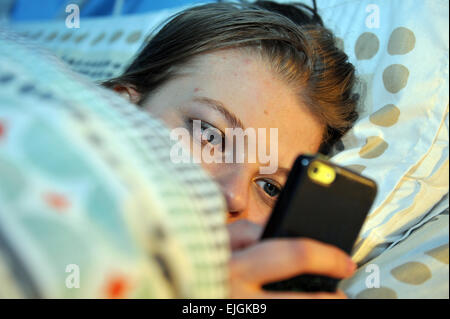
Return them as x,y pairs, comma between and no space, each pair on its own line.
265,112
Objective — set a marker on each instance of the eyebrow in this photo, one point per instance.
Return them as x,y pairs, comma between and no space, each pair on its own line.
220,107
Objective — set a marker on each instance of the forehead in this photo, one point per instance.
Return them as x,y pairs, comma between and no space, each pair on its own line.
245,84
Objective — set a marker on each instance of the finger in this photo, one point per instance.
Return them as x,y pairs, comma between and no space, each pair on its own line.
243,234
341,294
278,259
298,295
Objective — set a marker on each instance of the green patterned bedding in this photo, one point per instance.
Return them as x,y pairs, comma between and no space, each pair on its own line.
90,205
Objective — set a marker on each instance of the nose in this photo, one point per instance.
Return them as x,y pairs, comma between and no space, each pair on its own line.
235,185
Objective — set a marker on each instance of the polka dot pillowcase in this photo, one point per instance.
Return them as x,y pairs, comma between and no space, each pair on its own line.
400,50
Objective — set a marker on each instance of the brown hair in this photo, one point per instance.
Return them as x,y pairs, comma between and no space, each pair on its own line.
304,55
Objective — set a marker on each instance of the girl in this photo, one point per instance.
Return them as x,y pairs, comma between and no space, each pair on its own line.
245,66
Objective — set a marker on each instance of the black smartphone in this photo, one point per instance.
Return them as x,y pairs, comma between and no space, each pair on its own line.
322,201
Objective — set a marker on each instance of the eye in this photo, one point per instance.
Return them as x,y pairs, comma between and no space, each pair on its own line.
209,134
269,187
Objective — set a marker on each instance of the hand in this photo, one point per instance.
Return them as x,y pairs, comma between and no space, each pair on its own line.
243,234
254,263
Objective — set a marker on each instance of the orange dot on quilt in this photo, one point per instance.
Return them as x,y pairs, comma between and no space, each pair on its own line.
57,201
117,287
2,129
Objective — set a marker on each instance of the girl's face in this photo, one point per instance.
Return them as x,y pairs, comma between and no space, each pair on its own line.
228,89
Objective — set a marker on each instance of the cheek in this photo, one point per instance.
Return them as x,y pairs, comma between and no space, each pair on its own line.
317,141
214,170
258,212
